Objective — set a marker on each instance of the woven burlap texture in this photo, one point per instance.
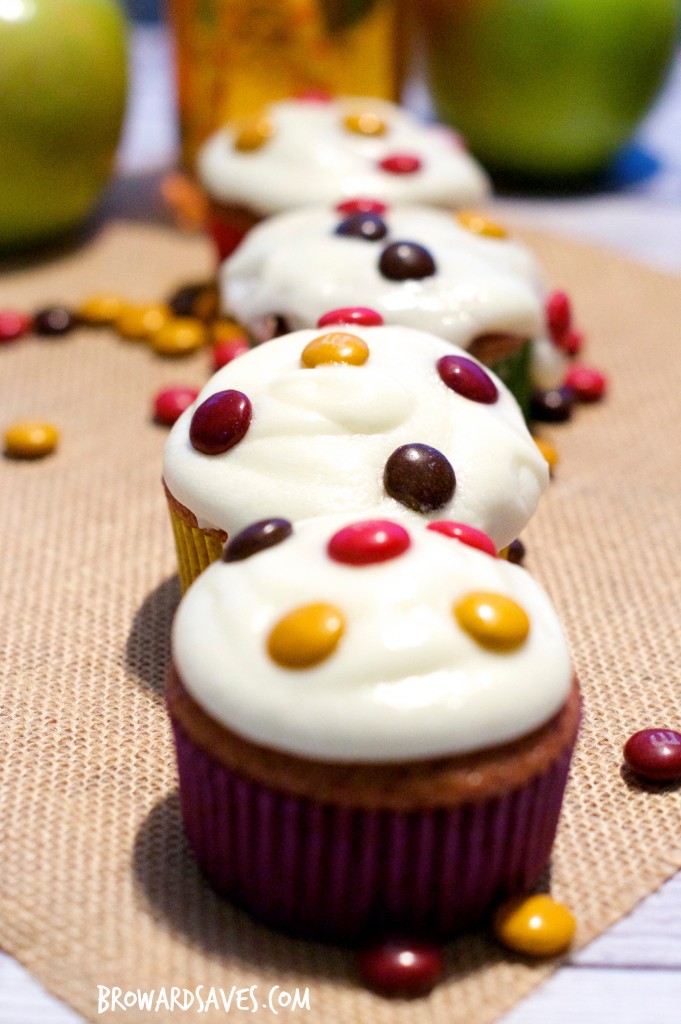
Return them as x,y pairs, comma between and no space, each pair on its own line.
97,885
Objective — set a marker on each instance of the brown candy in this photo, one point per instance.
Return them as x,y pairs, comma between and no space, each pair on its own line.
419,477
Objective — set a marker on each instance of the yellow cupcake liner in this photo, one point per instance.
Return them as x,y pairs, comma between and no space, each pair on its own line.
196,548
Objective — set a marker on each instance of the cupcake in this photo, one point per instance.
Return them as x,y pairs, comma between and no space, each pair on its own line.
460,276
373,726
378,419
302,151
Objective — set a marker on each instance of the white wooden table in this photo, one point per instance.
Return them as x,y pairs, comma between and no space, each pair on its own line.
632,973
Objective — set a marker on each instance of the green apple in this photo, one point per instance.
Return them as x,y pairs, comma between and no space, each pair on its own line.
547,87
63,81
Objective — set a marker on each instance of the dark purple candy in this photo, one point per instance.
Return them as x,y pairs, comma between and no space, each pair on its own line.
401,967
367,226
553,406
467,378
257,537
220,422
53,320
654,754
199,299
404,261
419,477
516,552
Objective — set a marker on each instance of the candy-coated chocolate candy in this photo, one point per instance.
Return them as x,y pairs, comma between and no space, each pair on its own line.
534,925
199,298
466,534
419,477
554,406
365,122
314,96
548,451
336,347
369,227
225,330
494,621
257,537
170,403
101,309
253,133
558,314
586,383
30,439
13,324
480,225
220,422
571,342
374,540
401,967
306,636
53,321
654,754
401,163
360,205
225,351
142,322
403,261
361,315
467,378
179,336
514,552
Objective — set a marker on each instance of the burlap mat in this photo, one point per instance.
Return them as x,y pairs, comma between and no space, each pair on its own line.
97,885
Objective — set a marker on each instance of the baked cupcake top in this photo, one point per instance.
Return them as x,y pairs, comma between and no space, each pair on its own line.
458,275
300,151
365,640
387,420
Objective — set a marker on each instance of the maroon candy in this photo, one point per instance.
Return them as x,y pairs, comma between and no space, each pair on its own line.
467,378
419,477
404,261
654,754
374,540
257,537
401,967
53,321
554,406
220,422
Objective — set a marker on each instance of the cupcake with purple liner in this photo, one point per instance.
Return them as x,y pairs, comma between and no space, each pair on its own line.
352,419
373,723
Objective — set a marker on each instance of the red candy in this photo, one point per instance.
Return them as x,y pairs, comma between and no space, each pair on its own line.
360,315
361,206
13,324
654,754
466,534
400,163
558,314
467,378
401,968
587,384
220,422
571,342
170,403
225,351
374,540
314,96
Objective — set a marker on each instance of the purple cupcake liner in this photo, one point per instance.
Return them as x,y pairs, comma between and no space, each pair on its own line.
345,874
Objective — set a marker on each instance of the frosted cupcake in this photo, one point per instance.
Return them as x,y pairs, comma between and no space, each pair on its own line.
387,420
460,276
301,151
373,725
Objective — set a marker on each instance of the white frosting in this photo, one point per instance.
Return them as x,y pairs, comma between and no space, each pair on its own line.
295,265
319,439
405,681
312,158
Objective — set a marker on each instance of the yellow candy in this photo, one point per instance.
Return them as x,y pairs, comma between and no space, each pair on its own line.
253,134
140,323
179,336
225,330
480,225
365,122
494,621
548,451
306,636
337,347
534,925
101,309
30,439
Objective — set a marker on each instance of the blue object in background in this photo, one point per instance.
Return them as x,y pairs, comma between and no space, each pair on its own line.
143,10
